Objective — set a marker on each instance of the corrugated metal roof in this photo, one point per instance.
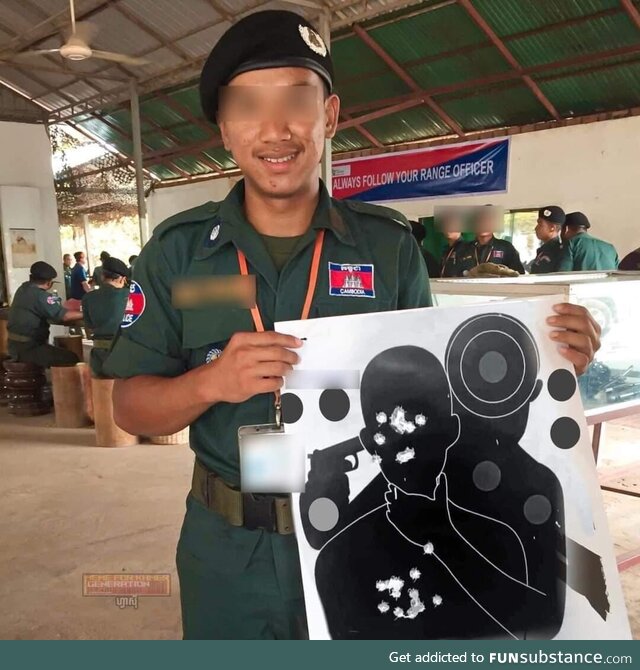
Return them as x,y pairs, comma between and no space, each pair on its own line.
172,19
438,43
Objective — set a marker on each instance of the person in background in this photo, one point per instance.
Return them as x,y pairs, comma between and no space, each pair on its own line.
631,262
582,251
549,255
32,310
487,248
67,260
103,310
132,261
97,271
418,231
450,261
79,277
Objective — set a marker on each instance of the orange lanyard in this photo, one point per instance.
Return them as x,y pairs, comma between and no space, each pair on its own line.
306,308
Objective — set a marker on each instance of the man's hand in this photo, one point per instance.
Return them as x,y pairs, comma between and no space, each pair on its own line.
252,363
419,519
580,337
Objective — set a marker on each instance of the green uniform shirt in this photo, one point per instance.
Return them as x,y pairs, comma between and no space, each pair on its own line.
162,340
497,251
280,248
548,257
32,310
583,252
103,309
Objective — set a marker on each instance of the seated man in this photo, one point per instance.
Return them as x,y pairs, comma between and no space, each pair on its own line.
32,309
103,310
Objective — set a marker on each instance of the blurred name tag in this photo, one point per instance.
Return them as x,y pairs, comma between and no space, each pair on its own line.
270,460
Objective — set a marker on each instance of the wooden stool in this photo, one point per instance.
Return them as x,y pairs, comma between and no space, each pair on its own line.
108,434
87,393
25,382
70,342
181,437
68,398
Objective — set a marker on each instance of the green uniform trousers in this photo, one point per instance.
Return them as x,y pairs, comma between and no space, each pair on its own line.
96,361
237,584
44,355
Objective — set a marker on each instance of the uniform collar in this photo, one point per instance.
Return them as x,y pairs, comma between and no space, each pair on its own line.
229,225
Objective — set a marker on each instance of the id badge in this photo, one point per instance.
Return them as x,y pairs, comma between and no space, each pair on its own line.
270,460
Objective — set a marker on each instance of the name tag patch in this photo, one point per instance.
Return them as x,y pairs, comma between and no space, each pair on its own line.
135,305
351,280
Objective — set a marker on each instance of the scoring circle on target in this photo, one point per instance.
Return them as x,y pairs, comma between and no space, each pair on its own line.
492,363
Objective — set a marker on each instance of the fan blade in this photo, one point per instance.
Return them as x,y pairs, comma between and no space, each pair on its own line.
29,54
119,58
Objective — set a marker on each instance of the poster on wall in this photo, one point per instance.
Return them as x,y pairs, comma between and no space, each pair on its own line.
456,169
24,252
451,491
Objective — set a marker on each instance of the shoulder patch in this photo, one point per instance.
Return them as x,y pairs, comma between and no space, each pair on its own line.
205,212
379,211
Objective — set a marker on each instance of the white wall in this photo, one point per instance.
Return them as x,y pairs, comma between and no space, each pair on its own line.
27,195
594,168
165,202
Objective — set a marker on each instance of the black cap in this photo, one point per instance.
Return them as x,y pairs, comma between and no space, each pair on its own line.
577,220
552,214
262,40
115,266
42,271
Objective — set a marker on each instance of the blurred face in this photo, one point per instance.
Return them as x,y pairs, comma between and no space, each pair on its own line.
275,123
545,231
81,259
66,259
451,237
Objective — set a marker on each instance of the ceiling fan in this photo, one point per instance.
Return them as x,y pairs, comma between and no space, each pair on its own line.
76,46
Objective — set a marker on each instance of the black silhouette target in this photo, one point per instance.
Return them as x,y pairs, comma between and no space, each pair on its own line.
492,362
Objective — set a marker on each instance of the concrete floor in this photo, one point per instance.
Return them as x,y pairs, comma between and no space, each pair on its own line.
67,509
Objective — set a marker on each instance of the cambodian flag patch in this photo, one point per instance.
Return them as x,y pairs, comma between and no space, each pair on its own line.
498,253
351,280
135,305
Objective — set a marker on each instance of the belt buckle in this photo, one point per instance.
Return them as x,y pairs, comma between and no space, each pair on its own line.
259,512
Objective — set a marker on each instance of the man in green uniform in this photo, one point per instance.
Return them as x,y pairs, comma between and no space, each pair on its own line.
32,310
103,310
550,221
198,362
583,252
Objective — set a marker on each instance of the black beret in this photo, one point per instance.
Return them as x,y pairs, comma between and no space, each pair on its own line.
42,271
577,220
262,40
552,214
115,266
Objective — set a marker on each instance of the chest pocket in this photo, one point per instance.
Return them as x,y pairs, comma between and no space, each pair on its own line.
205,329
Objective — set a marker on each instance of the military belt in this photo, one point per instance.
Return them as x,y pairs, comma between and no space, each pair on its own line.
18,338
102,343
266,512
